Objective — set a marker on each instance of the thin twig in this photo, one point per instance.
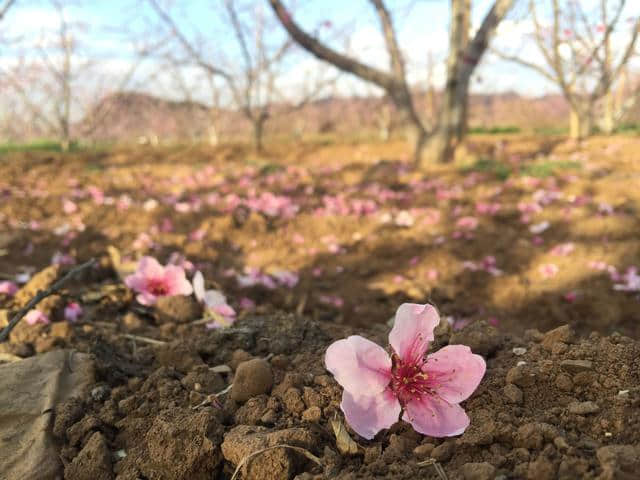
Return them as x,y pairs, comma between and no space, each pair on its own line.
438,468
41,295
301,450
138,338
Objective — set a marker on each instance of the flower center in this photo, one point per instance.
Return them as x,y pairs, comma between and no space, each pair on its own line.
157,287
408,381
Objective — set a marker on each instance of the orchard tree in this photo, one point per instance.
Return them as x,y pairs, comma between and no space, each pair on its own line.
252,76
430,142
579,57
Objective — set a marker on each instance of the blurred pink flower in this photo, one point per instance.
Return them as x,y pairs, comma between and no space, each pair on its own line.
69,207
214,301
548,270
8,288
630,281
467,223
563,249
72,312
151,280
36,316
378,388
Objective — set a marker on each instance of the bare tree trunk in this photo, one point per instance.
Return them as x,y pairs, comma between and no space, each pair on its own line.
574,124
258,133
608,123
452,122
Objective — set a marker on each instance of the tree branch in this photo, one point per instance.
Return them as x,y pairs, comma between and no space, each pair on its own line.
5,8
395,56
323,52
41,295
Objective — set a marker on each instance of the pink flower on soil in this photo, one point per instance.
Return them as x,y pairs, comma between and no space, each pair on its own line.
36,316
378,388
467,223
8,288
151,280
72,312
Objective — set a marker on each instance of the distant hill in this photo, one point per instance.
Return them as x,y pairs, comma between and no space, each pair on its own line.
129,116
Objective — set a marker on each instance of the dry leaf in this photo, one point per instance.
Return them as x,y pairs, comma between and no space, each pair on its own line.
344,442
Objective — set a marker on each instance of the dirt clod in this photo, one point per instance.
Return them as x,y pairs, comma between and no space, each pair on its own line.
177,309
478,471
93,462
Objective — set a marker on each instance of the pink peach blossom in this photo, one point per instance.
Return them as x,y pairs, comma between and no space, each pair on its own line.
72,312
467,223
8,288
36,316
151,280
426,391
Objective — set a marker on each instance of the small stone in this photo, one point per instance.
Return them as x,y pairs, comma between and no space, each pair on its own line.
564,382
252,378
576,366
132,322
443,452
312,414
521,375
423,451
541,469
482,338
519,351
559,348
584,378
563,334
478,471
583,408
513,394
177,309
93,461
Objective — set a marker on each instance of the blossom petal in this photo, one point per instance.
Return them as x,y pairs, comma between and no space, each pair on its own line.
435,417
413,330
359,365
368,414
149,267
198,286
455,371
177,281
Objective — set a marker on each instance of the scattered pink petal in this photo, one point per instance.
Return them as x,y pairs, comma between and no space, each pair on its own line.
36,316
548,270
72,312
8,287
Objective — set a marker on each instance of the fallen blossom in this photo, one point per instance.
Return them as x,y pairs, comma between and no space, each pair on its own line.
72,312
548,270
426,391
467,223
332,300
69,207
60,258
538,228
215,303
8,287
605,208
630,281
404,219
286,278
570,296
36,316
151,280
563,249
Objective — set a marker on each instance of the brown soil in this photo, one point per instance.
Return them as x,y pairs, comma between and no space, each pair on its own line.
569,411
